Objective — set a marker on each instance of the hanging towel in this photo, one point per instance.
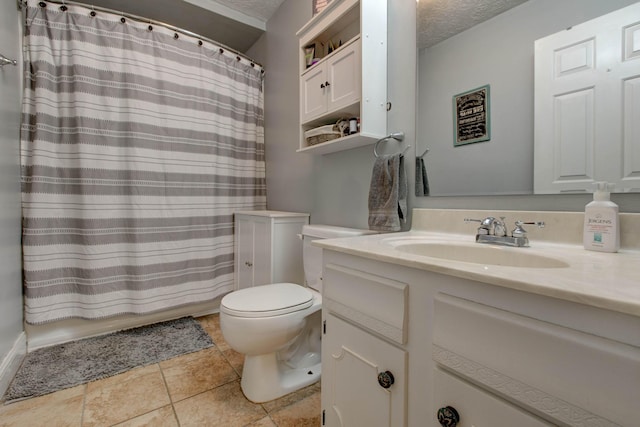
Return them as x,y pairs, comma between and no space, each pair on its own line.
388,194
422,181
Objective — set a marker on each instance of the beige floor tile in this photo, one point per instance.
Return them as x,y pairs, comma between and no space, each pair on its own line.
224,406
235,359
125,396
62,408
291,398
264,422
163,417
211,324
194,373
305,413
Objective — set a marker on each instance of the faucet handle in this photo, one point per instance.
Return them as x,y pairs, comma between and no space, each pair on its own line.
485,224
519,231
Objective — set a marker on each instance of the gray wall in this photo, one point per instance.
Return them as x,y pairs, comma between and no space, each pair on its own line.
289,174
10,226
334,188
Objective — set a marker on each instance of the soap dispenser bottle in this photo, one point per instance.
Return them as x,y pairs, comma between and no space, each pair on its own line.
601,224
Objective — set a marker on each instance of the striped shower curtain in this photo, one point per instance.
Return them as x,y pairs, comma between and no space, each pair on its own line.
137,145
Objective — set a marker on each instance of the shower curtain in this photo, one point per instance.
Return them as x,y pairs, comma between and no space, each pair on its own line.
137,145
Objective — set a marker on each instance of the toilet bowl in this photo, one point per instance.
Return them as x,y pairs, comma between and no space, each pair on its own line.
278,326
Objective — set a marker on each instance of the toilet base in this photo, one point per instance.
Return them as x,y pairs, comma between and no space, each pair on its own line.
266,378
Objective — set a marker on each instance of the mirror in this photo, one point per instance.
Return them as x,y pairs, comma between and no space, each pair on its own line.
467,45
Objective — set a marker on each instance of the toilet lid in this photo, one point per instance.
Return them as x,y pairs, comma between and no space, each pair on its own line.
267,300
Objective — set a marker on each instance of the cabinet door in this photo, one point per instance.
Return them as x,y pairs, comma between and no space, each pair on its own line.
476,407
343,76
351,362
262,252
244,253
253,252
313,92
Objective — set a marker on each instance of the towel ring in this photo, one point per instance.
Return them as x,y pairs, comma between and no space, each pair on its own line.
398,136
6,61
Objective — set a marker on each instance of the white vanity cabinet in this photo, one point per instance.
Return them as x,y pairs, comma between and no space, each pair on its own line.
499,357
347,80
268,248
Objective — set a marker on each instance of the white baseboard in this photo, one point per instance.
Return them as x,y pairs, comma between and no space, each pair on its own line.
12,361
49,334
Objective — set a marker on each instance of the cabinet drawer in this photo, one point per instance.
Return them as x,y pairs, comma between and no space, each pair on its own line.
374,302
553,371
476,407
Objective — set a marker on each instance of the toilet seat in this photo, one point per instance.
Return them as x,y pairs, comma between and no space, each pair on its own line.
267,300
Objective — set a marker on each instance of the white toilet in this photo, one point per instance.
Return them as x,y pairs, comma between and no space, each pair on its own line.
278,326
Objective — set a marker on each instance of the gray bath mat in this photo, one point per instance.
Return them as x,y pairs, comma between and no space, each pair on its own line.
66,365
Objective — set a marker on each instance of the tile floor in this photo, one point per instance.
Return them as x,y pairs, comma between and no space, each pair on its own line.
197,389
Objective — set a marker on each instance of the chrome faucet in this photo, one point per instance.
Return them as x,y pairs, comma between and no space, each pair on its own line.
494,231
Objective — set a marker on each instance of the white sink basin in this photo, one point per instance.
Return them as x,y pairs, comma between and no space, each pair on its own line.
477,253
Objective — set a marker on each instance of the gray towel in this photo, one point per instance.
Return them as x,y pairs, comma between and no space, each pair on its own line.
388,194
422,181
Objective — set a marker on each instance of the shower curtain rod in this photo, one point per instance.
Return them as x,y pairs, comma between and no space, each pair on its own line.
239,55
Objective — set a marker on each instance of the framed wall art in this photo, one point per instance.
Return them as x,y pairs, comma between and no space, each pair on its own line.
471,116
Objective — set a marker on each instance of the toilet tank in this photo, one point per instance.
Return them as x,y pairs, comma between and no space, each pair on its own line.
312,255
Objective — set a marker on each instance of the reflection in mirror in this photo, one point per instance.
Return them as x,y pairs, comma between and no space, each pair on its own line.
587,89
460,51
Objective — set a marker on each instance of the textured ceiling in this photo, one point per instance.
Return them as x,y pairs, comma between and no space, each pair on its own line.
440,19
260,9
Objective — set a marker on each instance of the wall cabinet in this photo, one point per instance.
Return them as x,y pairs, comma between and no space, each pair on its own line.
336,86
331,84
498,356
268,248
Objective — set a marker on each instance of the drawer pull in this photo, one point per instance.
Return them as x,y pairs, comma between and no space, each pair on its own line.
448,416
385,379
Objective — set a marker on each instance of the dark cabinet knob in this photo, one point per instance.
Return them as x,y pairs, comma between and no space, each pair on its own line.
448,416
327,84
385,379
321,85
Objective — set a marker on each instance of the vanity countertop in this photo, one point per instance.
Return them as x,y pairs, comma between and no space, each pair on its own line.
606,280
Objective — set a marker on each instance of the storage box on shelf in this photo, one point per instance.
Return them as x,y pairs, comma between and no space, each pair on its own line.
334,45
322,134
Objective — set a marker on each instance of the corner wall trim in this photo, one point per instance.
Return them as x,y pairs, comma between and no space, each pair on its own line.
11,362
